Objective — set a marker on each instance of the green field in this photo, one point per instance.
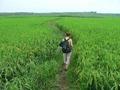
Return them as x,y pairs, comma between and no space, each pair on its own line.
30,58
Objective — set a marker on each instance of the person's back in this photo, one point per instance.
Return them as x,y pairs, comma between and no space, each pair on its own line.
69,40
67,54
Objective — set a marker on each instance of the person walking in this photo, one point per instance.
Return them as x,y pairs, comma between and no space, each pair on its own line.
66,44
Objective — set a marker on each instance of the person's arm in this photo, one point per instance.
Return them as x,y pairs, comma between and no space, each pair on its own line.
63,39
71,43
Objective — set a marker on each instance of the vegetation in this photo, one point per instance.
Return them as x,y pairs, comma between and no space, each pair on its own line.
96,55
30,60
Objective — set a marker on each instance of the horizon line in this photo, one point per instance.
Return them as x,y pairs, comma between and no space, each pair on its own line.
63,12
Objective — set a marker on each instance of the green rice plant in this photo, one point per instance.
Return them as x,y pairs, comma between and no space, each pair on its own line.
27,53
94,65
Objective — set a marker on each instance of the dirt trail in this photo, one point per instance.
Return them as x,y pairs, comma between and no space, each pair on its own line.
62,75
63,83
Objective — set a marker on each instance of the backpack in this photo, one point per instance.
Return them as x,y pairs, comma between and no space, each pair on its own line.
65,46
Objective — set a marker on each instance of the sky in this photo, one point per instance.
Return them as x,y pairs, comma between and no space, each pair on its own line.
100,6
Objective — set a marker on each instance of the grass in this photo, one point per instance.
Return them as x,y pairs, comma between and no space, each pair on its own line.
29,57
95,64
27,53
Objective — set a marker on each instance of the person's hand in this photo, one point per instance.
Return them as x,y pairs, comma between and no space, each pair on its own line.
58,50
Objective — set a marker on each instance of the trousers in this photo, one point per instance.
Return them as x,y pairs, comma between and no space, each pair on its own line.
67,57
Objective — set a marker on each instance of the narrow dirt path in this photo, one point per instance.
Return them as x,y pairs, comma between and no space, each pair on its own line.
63,82
62,75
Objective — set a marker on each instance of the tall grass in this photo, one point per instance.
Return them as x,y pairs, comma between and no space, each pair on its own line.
29,59
27,53
96,56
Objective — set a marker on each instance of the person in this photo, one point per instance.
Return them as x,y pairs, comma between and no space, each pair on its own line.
67,54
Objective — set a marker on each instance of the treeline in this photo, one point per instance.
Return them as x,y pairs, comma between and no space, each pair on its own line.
61,14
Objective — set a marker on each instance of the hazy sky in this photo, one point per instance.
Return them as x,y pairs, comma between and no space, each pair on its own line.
102,6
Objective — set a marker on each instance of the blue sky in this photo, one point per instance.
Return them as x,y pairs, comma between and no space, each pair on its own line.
101,6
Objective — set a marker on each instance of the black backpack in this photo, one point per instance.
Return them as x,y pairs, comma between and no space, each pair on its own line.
65,46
